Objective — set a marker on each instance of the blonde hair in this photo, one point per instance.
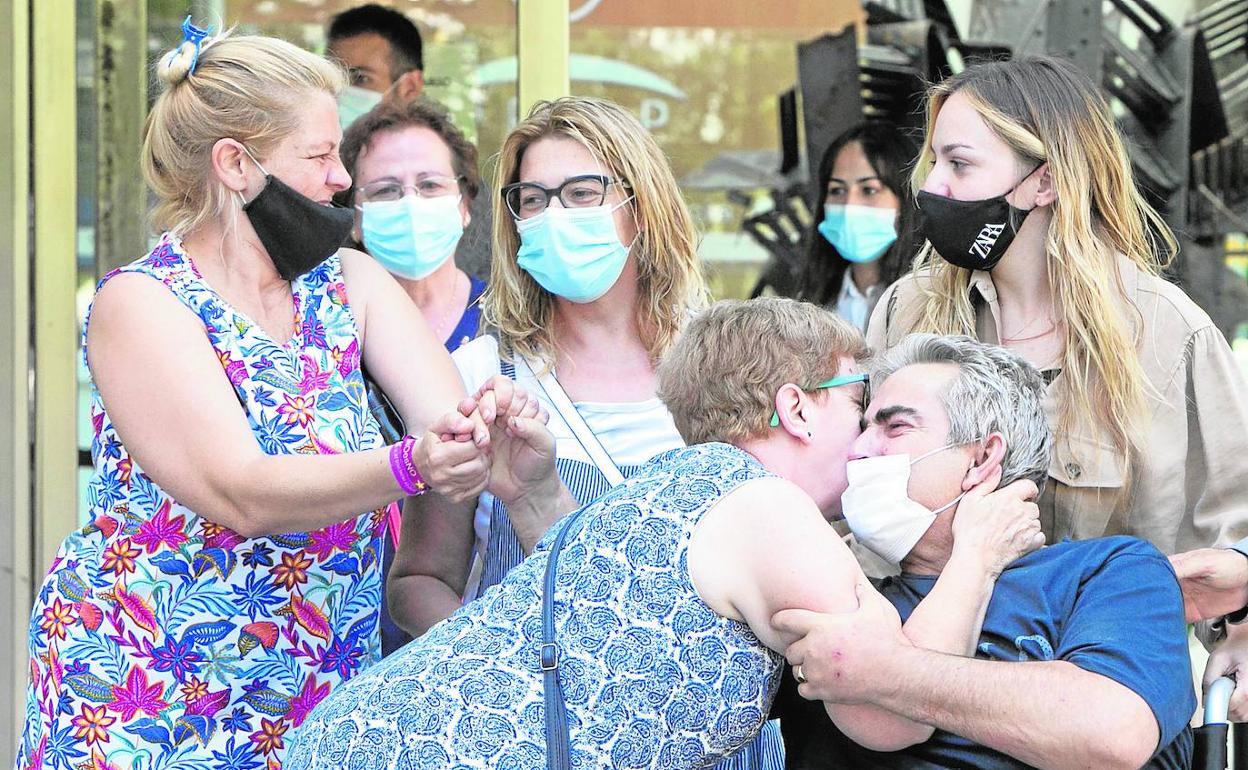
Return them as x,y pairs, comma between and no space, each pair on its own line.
669,277
720,379
1048,111
248,88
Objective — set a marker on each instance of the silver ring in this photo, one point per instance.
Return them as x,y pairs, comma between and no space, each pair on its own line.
798,675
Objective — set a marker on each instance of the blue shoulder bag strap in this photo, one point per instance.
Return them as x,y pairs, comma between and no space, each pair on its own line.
558,743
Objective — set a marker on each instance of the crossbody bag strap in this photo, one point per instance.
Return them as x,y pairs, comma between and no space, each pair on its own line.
572,418
558,741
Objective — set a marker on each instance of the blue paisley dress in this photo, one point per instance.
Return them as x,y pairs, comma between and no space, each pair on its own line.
160,639
652,676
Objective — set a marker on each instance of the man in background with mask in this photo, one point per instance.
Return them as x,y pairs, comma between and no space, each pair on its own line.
1100,622
383,52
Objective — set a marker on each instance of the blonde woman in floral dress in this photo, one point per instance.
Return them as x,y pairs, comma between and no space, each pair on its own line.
229,580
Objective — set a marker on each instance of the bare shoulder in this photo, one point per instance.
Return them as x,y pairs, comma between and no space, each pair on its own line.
355,262
769,507
134,303
140,339
774,490
360,272
770,516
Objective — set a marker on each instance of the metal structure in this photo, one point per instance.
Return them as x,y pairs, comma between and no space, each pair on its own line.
1219,169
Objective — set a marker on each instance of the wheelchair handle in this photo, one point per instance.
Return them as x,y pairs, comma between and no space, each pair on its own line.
1218,700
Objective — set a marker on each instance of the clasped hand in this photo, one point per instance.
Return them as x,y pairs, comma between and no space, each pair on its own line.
496,440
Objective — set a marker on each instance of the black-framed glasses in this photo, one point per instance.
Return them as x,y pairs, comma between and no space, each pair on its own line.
526,199
425,187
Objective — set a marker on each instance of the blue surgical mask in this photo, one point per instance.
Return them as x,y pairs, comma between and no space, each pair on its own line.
413,236
353,102
572,253
859,233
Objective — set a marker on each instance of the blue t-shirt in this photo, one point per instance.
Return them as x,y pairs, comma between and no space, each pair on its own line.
1111,606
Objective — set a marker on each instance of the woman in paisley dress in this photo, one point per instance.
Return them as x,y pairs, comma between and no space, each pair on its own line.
666,585
228,581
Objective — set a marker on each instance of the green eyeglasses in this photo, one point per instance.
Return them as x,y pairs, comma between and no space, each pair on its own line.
847,379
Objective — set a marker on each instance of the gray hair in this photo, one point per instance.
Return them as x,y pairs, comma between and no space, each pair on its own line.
995,391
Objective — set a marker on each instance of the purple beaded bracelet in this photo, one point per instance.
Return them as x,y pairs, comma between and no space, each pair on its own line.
404,468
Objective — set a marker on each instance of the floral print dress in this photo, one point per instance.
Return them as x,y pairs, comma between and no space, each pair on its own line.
160,639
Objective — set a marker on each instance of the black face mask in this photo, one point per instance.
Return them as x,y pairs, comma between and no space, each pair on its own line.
298,232
971,234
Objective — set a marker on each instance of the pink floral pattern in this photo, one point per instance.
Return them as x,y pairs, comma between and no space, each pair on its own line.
161,639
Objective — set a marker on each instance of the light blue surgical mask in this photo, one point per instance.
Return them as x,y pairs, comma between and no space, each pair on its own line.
353,102
413,236
572,253
859,233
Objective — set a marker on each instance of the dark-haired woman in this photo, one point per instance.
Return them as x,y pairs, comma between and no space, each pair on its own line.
865,239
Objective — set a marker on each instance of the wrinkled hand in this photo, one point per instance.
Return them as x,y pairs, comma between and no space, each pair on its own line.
1214,582
1230,658
999,526
843,655
450,461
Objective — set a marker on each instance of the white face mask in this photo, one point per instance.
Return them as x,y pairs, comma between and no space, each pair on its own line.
878,508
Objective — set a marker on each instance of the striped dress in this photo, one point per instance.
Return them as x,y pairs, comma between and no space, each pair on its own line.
632,433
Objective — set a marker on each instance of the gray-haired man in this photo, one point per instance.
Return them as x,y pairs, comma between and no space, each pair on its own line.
1107,682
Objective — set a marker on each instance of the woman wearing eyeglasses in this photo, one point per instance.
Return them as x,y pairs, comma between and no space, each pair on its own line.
595,272
414,178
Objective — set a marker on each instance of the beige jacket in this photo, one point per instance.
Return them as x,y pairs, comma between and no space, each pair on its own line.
1190,479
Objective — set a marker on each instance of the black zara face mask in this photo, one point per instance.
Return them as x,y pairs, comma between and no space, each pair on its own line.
971,234
296,231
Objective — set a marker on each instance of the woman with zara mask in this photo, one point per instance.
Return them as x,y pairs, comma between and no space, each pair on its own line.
228,580
866,239
595,272
1040,242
